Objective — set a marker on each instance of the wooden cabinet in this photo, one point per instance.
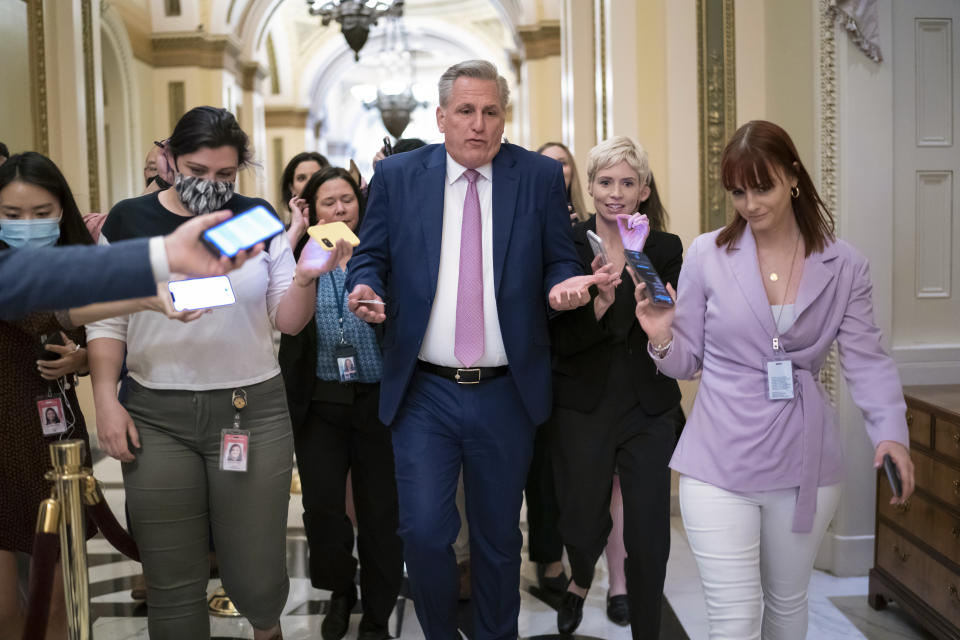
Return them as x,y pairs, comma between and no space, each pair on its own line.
917,545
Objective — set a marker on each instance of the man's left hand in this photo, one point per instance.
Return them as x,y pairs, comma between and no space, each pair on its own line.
574,292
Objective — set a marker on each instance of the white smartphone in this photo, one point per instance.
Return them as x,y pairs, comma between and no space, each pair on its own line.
596,243
242,231
201,293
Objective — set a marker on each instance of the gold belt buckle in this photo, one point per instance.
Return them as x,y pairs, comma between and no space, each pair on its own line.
459,377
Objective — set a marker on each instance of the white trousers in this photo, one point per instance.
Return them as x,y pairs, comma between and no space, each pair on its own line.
755,571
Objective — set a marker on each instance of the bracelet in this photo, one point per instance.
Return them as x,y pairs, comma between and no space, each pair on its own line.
660,350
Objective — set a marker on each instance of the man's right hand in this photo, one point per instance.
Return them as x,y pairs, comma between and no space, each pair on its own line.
372,312
187,254
113,426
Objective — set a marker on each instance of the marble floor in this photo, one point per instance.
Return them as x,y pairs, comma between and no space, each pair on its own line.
838,606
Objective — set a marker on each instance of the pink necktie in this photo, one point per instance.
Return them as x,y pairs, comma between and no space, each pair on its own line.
468,344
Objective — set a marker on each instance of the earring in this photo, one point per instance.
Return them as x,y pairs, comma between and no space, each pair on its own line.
794,192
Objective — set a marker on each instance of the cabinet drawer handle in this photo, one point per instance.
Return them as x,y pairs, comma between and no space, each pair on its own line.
952,590
956,439
909,418
903,507
902,555
955,532
956,487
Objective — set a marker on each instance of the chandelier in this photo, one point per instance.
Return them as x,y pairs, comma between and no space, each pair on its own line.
355,17
395,99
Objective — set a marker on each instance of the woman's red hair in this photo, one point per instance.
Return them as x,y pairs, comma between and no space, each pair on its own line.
751,160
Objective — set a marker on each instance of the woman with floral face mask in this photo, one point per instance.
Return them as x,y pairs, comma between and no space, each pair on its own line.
190,383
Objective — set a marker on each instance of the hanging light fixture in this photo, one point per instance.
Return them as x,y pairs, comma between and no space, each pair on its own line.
355,17
395,99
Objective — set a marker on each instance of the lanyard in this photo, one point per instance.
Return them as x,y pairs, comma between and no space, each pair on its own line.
339,295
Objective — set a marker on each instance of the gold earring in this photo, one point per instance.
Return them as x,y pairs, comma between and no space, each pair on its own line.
794,192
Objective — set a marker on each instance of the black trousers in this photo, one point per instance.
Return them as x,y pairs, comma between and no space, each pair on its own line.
587,447
337,438
543,536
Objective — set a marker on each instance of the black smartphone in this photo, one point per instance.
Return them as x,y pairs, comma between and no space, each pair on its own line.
49,338
387,146
893,475
641,268
242,231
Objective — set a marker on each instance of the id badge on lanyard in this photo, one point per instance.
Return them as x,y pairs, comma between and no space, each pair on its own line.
779,374
235,442
53,420
345,354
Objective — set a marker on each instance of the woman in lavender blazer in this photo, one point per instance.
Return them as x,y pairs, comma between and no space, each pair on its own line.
760,303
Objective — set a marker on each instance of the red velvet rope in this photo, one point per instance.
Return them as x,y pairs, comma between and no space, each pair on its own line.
46,554
115,534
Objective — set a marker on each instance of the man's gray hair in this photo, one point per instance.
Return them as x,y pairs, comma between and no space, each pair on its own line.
479,69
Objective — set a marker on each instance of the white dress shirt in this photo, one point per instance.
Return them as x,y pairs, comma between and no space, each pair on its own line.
439,339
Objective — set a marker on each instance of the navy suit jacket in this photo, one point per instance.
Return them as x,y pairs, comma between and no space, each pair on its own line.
63,277
399,257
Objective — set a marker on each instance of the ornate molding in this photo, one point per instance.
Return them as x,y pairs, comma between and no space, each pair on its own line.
38,76
828,151
90,104
252,75
716,104
541,40
293,117
196,50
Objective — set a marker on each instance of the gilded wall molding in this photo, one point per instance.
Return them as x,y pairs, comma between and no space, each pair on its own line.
828,151
716,104
541,40
38,76
600,58
90,104
293,117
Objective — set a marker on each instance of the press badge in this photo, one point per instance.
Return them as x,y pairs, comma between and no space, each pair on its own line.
234,449
346,357
779,379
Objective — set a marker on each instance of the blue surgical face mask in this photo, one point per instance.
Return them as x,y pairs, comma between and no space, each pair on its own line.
39,232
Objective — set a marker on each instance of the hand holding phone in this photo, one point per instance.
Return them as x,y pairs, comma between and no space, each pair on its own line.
387,146
893,475
328,233
596,243
201,293
641,270
242,231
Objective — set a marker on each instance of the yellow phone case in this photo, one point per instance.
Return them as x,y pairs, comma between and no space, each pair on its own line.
328,234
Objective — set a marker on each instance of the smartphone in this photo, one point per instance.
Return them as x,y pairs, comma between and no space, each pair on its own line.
201,293
387,146
328,234
641,269
893,475
49,338
596,243
242,231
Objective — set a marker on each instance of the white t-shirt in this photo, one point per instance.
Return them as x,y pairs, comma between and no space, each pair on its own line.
227,347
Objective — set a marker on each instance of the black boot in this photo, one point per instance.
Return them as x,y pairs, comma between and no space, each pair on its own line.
570,613
337,620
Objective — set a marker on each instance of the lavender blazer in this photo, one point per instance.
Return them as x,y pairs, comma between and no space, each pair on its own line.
736,438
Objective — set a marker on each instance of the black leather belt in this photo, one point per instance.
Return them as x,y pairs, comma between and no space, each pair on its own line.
471,375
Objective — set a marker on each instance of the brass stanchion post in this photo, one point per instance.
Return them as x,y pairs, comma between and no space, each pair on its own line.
70,479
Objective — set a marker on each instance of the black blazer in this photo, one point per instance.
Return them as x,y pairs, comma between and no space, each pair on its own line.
582,347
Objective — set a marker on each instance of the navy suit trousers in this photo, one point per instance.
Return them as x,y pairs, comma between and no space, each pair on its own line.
484,427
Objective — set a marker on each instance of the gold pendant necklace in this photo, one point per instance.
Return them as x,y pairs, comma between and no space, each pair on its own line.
774,277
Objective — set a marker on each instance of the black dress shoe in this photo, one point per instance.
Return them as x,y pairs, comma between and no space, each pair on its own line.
557,584
618,609
372,631
337,620
570,613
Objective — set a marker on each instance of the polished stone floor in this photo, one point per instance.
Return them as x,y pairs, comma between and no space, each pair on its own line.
838,606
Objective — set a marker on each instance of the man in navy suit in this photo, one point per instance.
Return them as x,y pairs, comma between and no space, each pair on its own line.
468,244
